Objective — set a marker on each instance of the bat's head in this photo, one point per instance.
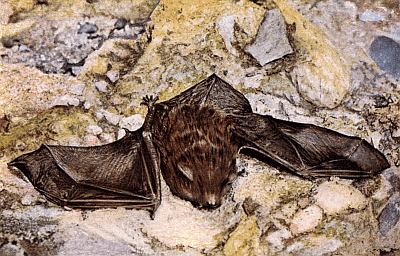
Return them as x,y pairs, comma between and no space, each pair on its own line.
198,155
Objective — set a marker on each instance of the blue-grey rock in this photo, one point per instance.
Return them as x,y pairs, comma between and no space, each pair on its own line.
386,54
390,215
371,16
87,28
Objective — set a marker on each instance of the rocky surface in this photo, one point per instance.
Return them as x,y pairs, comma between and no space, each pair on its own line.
74,73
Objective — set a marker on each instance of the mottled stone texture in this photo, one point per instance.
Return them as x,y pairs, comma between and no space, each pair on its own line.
74,73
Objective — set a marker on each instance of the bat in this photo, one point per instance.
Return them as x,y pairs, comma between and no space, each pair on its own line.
192,140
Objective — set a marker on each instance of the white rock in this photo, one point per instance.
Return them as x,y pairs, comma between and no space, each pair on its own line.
225,27
306,220
91,140
276,238
74,141
27,200
121,133
132,123
253,81
113,75
101,86
271,42
94,129
107,137
396,133
112,118
77,89
319,246
371,16
65,100
335,197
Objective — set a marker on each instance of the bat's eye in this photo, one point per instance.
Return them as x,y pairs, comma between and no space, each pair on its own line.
185,171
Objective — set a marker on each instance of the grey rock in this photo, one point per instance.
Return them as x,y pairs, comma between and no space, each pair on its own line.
386,54
390,214
60,46
88,28
372,16
271,42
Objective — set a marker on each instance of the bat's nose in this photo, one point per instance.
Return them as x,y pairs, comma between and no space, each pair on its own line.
211,205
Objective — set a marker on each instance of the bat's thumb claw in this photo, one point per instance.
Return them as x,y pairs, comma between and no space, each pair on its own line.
149,101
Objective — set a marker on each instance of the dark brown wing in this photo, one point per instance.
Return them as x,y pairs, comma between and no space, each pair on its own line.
307,150
112,175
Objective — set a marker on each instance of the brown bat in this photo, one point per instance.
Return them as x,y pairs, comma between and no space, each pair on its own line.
193,139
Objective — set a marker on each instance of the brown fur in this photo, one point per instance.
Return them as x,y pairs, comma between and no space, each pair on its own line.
198,157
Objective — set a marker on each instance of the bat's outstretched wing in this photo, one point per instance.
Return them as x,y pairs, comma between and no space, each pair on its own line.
112,175
124,173
307,150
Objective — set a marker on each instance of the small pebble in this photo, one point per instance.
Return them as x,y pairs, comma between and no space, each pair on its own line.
132,123
113,75
121,133
306,220
120,23
19,145
88,28
77,89
76,70
372,16
24,48
65,100
101,86
94,129
107,137
111,117
27,200
91,140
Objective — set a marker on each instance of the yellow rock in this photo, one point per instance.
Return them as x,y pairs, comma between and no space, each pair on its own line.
27,90
12,29
244,240
268,190
187,46
22,5
325,79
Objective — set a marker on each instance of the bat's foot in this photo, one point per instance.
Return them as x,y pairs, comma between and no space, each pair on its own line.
149,100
